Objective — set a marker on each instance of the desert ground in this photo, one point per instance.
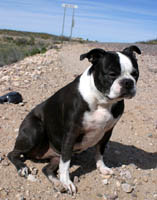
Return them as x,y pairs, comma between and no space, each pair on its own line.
132,151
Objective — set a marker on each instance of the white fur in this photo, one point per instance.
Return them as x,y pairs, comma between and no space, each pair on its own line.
64,176
99,119
95,124
126,70
101,166
89,92
125,63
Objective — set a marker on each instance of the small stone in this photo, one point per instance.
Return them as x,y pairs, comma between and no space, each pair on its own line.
105,181
22,104
105,197
126,174
155,196
56,195
150,135
118,184
99,195
145,178
127,188
5,78
20,197
16,130
16,84
5,163
107,176
31,178
134,195
27,193
113,197
1,158
76,179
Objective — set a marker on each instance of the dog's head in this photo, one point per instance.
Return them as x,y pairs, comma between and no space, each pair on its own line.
115,73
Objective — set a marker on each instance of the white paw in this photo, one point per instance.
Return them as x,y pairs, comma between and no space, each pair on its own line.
69,185
23,172
105,170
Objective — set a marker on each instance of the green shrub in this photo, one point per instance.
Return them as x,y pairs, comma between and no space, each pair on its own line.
21,41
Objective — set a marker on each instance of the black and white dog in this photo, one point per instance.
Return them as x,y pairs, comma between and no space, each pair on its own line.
80,115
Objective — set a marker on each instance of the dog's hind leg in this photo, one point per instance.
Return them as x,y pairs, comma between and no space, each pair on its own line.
31,134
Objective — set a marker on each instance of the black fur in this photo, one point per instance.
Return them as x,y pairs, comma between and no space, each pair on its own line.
53,127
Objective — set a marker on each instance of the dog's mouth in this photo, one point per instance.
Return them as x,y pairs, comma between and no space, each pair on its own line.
124,95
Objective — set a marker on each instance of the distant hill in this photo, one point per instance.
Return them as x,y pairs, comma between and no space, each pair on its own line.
149,42
16,45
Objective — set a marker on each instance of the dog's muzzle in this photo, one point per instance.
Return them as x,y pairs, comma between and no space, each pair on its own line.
128,88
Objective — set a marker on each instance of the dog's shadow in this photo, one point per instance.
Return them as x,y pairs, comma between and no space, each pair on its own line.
115,156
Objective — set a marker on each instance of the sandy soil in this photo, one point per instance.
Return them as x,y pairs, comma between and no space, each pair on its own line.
132,152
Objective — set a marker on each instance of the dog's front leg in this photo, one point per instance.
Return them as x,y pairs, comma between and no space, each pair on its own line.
67,148
100,148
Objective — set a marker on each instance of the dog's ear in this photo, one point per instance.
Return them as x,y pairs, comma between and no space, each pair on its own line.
93,55
131,49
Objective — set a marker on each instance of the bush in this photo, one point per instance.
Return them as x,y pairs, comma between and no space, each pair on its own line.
21,41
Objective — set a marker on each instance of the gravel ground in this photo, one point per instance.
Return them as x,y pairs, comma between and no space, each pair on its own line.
132,152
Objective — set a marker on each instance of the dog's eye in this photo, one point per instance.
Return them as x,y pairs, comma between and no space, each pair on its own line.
112,74
134,74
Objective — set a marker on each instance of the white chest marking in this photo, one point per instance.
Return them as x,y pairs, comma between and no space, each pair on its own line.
95,124
99,119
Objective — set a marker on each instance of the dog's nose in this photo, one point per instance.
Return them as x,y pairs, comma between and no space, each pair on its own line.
127,83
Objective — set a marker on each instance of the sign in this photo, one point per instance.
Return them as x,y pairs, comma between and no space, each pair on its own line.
69,6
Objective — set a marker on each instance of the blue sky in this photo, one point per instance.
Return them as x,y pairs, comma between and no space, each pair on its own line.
101,20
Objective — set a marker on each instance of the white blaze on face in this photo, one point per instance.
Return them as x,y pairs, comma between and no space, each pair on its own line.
126,70
125,63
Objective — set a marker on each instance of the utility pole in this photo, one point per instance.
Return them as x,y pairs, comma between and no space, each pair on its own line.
73,14
63,19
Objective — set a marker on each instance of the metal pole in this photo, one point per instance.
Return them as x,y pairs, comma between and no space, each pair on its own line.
63,21
72,22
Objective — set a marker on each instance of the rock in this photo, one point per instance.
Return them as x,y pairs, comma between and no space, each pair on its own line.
155,196
150,135
34,171
105,197
76,179
127,188
99,195
27,193
56,195
105,181
5,163
21,104
107,176
1,158
113,197
16,84
5,78
20,197
126,174
118,184
145,179
31,178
